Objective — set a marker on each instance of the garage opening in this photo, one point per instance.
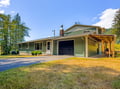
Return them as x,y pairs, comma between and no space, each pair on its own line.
66,47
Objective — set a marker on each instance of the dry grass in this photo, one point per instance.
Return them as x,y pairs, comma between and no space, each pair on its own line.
72,73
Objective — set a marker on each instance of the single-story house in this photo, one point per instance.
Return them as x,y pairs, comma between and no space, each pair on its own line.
78,40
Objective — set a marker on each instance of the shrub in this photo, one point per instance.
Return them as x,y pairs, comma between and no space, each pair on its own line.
14,52
36,52
116,84
117,47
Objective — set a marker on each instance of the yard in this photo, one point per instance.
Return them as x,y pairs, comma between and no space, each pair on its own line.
14,56
71,73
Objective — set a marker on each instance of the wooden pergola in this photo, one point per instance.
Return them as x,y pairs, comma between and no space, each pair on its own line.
107,41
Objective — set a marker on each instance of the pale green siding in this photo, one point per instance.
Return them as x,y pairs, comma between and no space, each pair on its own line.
27,48
55,47
92,48
79,47
44,47
78,30
74,33
31,46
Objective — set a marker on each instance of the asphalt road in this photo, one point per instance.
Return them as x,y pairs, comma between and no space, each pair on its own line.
6,64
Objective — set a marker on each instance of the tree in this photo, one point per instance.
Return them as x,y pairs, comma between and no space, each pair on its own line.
12,31
4,30
19,31
116,24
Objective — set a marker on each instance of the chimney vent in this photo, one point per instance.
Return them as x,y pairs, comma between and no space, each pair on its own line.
61,31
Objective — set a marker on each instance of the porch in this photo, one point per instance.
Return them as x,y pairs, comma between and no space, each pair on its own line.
105,44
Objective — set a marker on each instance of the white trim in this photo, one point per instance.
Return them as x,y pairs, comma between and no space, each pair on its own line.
97,31
50,46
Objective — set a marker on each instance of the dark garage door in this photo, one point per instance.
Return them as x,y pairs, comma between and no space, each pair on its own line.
66,47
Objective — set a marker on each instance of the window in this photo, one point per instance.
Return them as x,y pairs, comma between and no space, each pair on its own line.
38,46
20,46
48,45
26,45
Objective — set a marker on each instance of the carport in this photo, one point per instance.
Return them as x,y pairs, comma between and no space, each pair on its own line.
107,42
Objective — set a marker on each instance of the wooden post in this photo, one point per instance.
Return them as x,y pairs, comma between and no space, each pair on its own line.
109,47
113,47
103,47
86,46
100,51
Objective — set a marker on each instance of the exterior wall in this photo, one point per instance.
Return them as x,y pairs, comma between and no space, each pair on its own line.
55,43
80,30
44,47
79,47
26,50
92,47
32,46
73,33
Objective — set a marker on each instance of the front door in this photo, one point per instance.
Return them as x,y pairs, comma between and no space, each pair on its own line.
48,47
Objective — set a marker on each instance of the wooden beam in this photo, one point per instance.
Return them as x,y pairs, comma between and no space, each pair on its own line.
103,47
86,46
113,46
109,45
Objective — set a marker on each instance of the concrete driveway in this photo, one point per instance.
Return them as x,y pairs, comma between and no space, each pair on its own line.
6,64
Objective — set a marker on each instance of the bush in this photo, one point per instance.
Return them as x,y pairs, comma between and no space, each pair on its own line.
36,52
117,47
14,52
116,84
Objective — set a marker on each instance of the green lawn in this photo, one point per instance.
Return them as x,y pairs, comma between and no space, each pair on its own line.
72,73
15,56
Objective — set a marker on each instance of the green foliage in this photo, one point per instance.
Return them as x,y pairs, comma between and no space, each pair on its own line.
12,31
116,84
14,52
116,24
108,31
36,52
117,47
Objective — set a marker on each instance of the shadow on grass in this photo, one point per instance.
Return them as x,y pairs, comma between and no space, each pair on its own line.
60,76
9,64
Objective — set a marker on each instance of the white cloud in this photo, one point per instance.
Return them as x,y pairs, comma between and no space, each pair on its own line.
2,11
12,12
106,18
4,3
94,18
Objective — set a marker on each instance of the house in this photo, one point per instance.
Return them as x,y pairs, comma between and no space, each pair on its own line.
78,40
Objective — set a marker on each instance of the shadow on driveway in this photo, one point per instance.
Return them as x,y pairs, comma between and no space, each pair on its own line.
6,64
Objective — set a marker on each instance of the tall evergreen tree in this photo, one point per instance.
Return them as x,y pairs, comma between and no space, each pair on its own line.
18,32
12,31
116,24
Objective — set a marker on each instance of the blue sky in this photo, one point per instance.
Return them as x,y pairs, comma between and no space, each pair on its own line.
43,16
